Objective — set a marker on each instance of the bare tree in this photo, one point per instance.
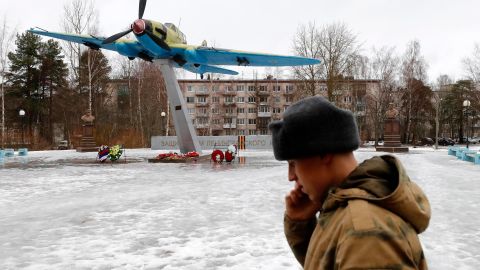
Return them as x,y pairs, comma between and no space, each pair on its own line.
80,17
6,40
472,64
306,44
414,68
338,47
383,67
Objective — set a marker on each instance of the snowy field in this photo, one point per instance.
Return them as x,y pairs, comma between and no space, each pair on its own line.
61,210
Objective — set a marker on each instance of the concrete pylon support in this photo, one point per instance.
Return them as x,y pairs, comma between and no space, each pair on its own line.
186,135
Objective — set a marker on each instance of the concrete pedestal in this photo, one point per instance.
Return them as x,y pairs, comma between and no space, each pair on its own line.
186,135
392,138
87,143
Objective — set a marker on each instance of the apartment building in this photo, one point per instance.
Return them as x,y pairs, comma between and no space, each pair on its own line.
246,107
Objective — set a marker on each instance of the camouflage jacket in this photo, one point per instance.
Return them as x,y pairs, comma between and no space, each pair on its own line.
371,221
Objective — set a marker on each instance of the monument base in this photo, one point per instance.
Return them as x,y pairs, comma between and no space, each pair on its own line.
203,158
87,143
392,149
392,138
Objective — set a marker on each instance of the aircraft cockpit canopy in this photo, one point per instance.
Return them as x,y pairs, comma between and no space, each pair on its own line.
176,30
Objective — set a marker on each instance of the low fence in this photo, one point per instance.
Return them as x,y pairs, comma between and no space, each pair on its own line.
259,142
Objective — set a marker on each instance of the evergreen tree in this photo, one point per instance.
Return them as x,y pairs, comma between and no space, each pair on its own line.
37,71
452,106
53,74
24,67
24,75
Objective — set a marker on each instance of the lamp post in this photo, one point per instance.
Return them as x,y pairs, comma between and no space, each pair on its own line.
437,121
163,114
21,113
466,105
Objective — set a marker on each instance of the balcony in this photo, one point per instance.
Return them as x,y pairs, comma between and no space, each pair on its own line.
227,126
201,114
263,93
232,115
216,127
229,103
264,114
229,93
201,103
202,125
201,92
359,113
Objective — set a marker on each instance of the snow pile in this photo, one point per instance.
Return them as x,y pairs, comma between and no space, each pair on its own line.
61,210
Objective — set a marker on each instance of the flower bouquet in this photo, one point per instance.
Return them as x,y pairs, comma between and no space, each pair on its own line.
115,153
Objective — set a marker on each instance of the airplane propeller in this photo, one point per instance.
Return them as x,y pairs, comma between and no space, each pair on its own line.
141,8
139,27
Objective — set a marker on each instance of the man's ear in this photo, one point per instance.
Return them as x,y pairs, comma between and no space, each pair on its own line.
326,159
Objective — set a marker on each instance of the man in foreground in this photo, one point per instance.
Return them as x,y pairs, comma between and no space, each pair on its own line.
370,214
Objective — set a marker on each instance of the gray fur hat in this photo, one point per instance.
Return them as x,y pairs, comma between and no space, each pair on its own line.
311,127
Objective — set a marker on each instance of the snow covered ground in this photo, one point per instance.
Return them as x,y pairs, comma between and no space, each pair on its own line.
61,210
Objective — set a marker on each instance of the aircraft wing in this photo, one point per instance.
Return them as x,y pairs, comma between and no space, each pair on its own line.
125,47
201,69
217,56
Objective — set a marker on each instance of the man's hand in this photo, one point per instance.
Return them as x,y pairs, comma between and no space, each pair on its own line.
298,206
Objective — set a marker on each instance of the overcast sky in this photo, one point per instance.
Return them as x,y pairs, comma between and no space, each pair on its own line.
447,30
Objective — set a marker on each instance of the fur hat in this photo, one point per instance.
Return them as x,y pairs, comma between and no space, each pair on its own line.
314,126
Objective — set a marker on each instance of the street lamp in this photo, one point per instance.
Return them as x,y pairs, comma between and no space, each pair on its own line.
466,105
437,121
21,113
163,114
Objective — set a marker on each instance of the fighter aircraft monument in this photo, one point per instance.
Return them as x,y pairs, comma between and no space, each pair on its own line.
166,46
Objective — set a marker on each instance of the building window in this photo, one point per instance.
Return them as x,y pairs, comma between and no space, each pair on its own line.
251,88
190,99
240,88
215,110
202,99
240,110
240,99
229,88
241,121
202,121
202,111
252,99
277,110
252,132
215,88
263,122
216,121
264,109
347,99
277,88
228,121
289,88
229,110
252,121
288,99
228,99
277,100
263,99
263,88
242,132
263,131
191,110
190,88
252,110
215,99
